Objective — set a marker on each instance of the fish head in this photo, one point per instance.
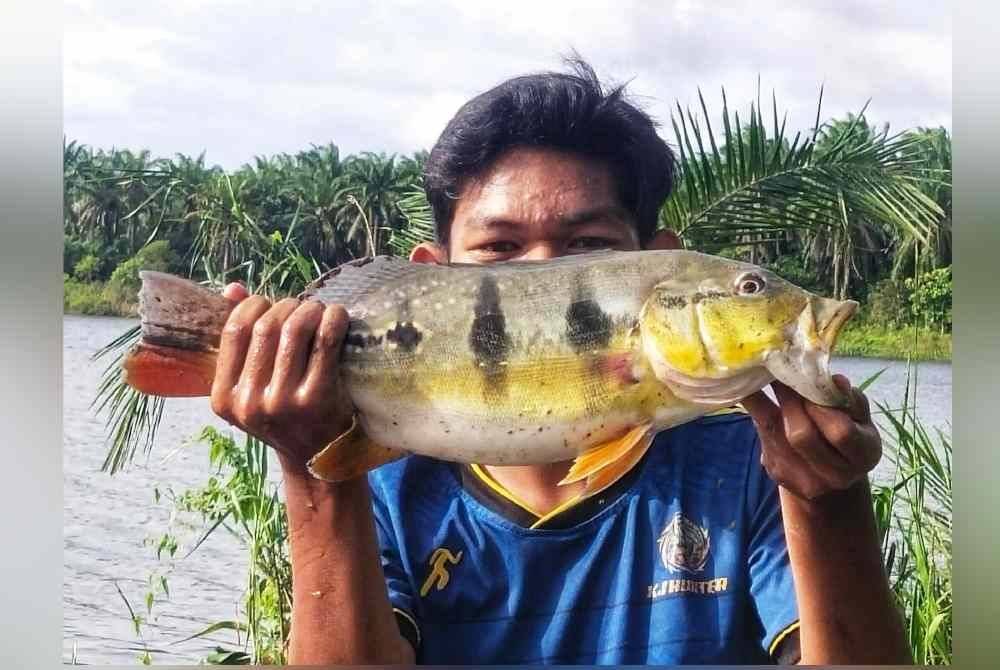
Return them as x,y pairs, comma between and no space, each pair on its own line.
721,330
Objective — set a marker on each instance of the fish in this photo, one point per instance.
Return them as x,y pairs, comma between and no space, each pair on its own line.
581,358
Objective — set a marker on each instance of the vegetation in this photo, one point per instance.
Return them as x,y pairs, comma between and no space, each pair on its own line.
914,516
845,209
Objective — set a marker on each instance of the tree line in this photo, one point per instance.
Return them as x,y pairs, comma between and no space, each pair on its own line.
847,208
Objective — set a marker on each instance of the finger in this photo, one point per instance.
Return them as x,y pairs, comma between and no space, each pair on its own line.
235,292
321,371
859,409
294,348
805,438
234,343
859,443
765,414
259,363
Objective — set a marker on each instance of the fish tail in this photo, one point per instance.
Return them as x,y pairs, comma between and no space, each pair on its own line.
180,324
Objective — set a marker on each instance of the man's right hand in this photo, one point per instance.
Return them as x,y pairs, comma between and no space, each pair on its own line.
277,374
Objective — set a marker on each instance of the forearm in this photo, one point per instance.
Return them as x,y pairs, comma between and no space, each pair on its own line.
341,611
846,609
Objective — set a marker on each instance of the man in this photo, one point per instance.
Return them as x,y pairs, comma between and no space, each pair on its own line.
718,547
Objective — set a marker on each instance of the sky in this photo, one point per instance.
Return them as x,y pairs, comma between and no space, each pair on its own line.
242,79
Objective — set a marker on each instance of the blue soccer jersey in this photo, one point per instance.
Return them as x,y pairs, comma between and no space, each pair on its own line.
682,561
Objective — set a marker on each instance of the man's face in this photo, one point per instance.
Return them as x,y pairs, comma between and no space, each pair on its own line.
533,204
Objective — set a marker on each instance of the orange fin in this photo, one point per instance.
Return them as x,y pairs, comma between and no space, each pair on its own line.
170,372
603,455
351,455
614,471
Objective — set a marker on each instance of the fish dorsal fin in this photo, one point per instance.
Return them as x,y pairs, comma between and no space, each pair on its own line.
605,464
350,456
350,282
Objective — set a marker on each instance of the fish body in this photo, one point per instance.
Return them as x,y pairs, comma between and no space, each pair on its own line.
536,362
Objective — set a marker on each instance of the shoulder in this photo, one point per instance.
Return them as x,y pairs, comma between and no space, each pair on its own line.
414,480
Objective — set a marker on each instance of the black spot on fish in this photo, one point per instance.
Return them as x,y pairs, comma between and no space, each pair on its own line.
587,326
673,301
488,338
708,295
405,335
363,340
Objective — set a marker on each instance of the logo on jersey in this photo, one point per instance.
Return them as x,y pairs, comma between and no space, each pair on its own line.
683,545
439,576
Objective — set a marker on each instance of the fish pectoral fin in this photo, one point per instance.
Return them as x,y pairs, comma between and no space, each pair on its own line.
605,464
610,474
350,456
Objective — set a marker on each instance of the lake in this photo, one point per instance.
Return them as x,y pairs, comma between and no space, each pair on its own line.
107,520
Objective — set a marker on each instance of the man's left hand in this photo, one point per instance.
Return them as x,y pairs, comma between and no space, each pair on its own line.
812,450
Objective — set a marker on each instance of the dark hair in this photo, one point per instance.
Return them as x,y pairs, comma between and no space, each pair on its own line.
571,112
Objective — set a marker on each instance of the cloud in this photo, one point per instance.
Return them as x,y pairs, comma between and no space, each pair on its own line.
240,80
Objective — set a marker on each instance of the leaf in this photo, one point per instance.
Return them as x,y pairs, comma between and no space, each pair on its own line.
863,386
217,626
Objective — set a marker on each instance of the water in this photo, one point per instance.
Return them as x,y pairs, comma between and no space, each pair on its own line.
107,519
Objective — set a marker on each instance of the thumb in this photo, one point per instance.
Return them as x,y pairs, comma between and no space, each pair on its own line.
235,292
765,414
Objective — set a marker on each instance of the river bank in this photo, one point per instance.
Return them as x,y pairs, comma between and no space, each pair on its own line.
859,339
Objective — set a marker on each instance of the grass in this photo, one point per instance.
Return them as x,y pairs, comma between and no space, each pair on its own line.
96,299
914,516
867,340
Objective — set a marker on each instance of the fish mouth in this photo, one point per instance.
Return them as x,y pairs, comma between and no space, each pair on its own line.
830,317
804,365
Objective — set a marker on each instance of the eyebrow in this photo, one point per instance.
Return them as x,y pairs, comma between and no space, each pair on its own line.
616,212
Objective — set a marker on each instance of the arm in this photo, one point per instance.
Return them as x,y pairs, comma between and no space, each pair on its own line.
820,458
845,606
277,379
340,610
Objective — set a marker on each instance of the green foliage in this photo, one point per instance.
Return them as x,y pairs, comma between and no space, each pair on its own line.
888,304
85,298
238,498
154,256
914,518
87,268
869,340
930,298
793,268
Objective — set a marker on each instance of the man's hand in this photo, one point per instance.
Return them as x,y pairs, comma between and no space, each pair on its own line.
277,375
811,450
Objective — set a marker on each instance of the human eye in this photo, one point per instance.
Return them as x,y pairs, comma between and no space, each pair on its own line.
497,249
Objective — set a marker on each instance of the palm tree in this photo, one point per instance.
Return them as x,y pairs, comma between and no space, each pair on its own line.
761,187
911,256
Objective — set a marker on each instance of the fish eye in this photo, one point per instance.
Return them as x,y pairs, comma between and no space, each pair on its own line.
750,284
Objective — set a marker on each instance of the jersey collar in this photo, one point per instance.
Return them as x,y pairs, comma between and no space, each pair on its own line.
496,497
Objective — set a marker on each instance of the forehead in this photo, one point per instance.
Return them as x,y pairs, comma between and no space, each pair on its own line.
531,185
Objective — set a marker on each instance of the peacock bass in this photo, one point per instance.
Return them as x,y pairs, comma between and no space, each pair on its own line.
581,358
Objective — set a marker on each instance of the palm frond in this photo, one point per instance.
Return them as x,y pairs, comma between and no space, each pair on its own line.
132,417
419,223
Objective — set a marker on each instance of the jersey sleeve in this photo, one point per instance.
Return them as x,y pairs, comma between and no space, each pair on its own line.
397,580
772,589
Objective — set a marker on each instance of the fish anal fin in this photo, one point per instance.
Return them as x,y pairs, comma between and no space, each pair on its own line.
350,456
603,455
611,473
